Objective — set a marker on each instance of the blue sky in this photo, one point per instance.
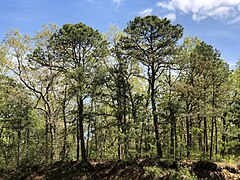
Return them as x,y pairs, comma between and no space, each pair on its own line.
217,22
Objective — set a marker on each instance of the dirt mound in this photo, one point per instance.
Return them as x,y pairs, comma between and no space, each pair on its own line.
215,171
135,169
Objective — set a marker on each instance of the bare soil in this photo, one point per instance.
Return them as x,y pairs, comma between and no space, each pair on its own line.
123,170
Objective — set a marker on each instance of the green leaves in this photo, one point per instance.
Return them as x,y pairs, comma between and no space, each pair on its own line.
77,44
151,39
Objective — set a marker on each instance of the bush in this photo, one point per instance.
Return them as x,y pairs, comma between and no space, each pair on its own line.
153,171
183,174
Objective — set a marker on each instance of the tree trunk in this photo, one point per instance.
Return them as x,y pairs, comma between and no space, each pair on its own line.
65,134
141,137
216,136
46,137
200,133
154,113
81,131
176,140
88,136
78,139
188,136
213,122
172,149
205,134
95,137
134,115
223,152
64,149
119,130
51,141
155,121
18,147
181,136
211,143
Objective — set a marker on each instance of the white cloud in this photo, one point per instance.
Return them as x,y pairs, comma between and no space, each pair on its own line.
146,12
220,11
202,9
166,5
118,2
171,16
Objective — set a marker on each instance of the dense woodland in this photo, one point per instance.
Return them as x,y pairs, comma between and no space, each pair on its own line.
72,93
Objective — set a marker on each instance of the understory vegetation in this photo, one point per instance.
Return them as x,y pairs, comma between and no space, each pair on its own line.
71,93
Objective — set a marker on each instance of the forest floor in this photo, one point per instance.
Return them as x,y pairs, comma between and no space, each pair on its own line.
125,170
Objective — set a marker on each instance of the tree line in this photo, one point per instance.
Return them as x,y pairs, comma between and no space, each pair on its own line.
72,93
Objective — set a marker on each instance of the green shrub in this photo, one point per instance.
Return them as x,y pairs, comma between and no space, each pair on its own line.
183,174
153,171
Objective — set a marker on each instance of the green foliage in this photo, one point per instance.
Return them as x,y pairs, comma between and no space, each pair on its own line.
183,173
129,94
153,171
15,119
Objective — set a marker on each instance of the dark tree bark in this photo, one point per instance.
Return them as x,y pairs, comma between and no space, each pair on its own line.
78,138
154,111
212,133
188,137
64,150
216,136
200,133
205,135
224,137
81,130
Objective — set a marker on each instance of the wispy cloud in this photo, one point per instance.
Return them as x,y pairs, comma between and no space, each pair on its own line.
202,9
171,16
166,5
235,20
146,12
118,2
91,1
